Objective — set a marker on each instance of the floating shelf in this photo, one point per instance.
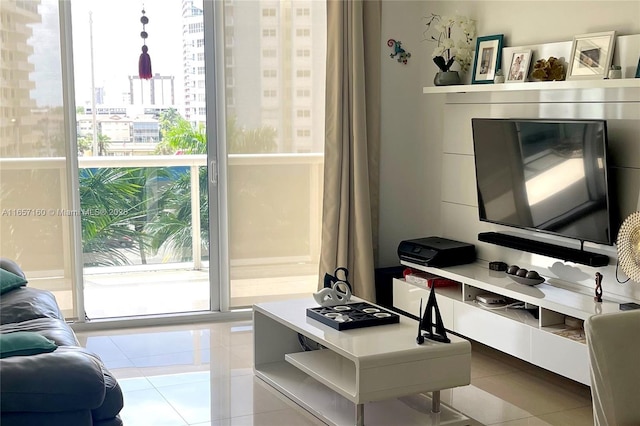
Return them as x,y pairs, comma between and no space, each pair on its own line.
536,85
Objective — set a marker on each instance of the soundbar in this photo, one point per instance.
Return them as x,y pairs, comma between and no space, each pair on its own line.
545,249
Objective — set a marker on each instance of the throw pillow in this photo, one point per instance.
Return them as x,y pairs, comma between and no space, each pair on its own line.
23,343
10,281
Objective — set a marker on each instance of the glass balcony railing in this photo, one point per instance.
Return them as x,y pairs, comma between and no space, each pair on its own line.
274,209
151,213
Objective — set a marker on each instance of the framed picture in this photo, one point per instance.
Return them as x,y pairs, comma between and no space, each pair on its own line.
638,70
519,68
487,58
591,56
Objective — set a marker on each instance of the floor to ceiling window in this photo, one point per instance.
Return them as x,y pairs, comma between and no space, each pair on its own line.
143,158
274,68
36,223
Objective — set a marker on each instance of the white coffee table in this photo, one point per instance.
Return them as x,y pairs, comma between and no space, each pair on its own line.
361,365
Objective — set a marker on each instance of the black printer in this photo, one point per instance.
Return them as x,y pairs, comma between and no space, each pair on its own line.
436,251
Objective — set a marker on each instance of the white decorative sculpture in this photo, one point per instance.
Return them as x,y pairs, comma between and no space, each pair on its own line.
338,294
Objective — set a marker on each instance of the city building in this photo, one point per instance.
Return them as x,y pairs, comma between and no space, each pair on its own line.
125,134
17,124
269,84
158,90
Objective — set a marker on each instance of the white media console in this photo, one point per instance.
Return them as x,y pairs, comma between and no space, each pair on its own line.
545,341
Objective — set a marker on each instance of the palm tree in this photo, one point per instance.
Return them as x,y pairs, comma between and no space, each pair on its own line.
184,139
261,140
172,225
142,205
86,143
168,119
172,228
103,144
107,212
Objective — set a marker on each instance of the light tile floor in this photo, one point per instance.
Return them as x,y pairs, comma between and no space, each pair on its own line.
202,374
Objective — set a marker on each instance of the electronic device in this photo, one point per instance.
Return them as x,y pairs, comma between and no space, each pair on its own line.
545,175
436,251
629,306
491,299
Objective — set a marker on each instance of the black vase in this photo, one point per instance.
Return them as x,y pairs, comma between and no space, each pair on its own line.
446,78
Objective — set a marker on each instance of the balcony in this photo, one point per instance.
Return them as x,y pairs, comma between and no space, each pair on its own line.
273,221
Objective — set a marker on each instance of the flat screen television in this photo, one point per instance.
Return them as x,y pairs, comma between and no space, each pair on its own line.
545,175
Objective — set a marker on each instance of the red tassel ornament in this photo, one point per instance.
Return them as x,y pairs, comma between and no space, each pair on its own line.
144,64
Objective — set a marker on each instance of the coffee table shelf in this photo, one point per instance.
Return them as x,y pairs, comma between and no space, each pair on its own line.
328,368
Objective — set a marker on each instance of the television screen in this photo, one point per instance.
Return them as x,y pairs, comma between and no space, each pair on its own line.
544,175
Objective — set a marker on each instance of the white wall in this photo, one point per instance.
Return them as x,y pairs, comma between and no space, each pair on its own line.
411,159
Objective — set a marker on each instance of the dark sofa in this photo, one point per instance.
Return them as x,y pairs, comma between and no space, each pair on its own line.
69,386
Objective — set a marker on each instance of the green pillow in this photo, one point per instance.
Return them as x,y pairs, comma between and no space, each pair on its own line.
23,343
10,281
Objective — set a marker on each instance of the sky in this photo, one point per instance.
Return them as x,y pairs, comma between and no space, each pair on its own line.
117,44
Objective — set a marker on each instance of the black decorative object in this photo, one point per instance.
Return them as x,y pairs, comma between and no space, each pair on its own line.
598,297
144,63
330,280
353,315
420,338
426,321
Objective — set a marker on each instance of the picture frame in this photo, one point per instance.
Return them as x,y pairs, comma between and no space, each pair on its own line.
487,59
519,66
591,56
638,70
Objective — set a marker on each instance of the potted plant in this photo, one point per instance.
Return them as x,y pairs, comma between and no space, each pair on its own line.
452,46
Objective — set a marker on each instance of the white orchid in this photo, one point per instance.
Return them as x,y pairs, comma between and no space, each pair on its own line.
450,49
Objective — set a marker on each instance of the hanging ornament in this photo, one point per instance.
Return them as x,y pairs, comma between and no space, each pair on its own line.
144,64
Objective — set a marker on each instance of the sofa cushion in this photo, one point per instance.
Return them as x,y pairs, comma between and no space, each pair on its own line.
26,303
51,328
23,343
68,379
10,281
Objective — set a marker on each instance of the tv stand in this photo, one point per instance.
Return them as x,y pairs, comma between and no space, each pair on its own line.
545,334
546,249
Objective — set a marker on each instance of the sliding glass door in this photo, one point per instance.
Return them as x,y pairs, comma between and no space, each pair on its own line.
274,73
142,145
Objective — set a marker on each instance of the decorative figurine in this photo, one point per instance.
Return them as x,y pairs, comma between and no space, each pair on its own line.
398,52
336,291
548,70
426,321
144,63
338,294
598,297
420,338
329,280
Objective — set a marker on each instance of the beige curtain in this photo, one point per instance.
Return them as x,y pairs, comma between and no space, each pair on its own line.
350,203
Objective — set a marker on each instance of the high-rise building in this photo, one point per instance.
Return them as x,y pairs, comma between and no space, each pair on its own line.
193,61
273,54
17,124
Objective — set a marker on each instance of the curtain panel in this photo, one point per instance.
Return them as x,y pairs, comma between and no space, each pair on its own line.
352,145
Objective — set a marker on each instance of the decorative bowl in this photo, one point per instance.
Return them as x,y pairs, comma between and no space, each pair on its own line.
526,281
